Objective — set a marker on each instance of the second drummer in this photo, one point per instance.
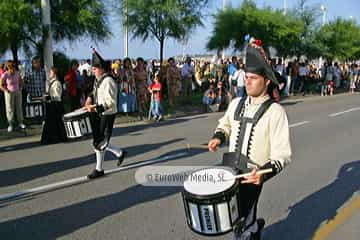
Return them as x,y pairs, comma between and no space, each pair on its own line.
102,105
258,131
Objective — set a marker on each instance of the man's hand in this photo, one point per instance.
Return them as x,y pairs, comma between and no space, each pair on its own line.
214,144
90,108
253,178
88,102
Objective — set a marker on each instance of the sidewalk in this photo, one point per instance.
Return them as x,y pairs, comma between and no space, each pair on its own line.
36,129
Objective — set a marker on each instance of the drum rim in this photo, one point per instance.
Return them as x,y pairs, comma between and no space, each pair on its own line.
34,102
76,117
209,234
216,197
215,167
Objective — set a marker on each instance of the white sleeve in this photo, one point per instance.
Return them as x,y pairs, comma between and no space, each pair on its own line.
57,91
109,94
280,149
224,125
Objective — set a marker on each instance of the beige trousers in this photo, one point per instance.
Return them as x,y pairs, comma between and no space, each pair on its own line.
13,104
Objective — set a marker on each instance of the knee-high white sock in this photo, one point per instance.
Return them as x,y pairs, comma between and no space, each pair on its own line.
99,159
115,150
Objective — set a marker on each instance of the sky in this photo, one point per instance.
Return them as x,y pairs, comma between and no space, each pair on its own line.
114,47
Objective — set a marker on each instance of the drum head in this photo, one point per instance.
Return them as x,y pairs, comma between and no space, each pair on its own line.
75,113
209,181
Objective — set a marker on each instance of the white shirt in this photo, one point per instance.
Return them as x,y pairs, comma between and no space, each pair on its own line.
55,90
187,70
271,138
303,71
239,76
86,67
107,95
280,69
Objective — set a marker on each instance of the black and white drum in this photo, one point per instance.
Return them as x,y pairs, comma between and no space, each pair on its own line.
34,109
212,206
77,124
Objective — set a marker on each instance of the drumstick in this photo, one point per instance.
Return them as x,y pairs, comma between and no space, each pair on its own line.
38,98
202,146
85,108
80,109
263,171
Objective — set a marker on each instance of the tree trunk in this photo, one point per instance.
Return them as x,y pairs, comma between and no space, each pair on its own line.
218,53
14,51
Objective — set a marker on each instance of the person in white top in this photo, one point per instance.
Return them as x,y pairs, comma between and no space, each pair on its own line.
237,81
85,66
258,133
303,77
187,73
53,129
102,105
280,68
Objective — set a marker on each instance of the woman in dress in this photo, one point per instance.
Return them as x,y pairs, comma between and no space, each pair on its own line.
140,74
127,89
54,129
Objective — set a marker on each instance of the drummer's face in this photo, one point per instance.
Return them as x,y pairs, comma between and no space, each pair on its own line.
255,84
98,72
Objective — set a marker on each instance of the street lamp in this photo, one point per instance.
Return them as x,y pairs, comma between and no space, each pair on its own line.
323,9
48,46
126,31
224,7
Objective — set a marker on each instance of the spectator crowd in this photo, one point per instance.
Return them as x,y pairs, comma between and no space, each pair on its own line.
143,85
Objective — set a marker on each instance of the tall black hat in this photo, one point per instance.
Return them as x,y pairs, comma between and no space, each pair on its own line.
256,63
97,60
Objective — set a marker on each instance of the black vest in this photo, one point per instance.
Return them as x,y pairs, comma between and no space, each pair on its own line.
237,160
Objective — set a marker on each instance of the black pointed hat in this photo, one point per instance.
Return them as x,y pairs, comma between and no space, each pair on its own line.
256,63
97,60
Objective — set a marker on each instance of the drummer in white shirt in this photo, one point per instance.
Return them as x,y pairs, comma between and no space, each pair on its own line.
258,132
102,105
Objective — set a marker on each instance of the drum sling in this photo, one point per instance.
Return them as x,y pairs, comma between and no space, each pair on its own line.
236,160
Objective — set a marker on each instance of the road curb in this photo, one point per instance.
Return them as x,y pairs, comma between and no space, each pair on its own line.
36,130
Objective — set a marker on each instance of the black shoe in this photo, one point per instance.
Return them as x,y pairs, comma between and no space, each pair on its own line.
96,174
261,224
121,157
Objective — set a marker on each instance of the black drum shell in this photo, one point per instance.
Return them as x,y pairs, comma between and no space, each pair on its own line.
212,198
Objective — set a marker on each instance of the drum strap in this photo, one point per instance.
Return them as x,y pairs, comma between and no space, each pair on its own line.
242,160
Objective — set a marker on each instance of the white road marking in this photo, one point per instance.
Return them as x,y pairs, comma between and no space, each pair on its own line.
298,124
73,181
343,112
53,186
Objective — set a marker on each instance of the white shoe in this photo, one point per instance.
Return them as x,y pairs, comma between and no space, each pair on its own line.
22,126
10,128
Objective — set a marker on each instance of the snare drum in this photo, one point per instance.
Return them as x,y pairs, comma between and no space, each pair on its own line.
77,124
34,109
211,207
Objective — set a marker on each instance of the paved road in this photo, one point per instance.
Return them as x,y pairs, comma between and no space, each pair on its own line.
318,193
